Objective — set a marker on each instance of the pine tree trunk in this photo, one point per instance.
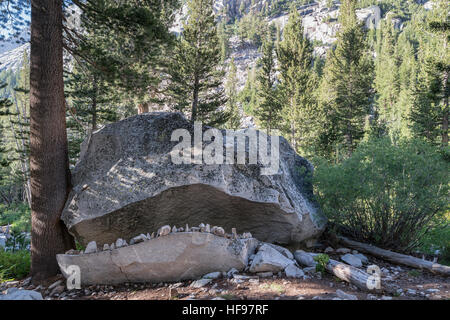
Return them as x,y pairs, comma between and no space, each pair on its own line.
94,105
445,112
195,100
349,140
49,165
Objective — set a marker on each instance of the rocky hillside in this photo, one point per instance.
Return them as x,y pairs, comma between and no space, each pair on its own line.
319,21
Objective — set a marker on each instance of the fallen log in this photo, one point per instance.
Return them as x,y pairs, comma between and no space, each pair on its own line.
355,276
396,257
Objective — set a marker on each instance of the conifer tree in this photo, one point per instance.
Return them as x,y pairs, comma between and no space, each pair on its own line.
234,121
386,82
346,92
248,95
297,81
195,71
430,111
268,107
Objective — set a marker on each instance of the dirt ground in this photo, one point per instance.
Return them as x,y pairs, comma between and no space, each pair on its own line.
405,283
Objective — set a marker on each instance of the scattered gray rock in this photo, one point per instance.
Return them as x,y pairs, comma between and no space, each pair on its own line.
243,277
386,298
265,274
361,257
231,272
57,290
352,260
140,238
345,296
329,250
218,231
343,250
55,284
91,247
213,275
20,294
293,271
309,270
164,231
269,259
200,283
285,252
411,292
119,243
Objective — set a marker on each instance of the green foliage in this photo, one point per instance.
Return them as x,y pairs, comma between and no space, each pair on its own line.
414,273
14,265
195,71
346,89
438,238
297,82
385,194
252,28
268,106
430,109
234,121
248,95
322,261
17,215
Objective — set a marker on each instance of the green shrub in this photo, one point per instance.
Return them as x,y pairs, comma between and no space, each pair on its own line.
385,194
14,265
17,215
322,261
438,238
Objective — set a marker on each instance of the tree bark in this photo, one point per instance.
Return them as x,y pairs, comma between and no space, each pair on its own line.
195,100
341,270
94,104
397,257
445,111
49,165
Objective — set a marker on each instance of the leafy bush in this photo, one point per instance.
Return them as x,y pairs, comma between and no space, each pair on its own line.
385,194
322,261
14,265
17,215
438,238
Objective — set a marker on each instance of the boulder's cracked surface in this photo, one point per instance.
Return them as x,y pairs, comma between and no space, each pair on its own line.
174,257
126,183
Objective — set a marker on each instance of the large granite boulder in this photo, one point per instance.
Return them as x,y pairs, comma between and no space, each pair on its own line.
126,183
173,257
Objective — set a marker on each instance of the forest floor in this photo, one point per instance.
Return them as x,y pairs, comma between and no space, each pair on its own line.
408,284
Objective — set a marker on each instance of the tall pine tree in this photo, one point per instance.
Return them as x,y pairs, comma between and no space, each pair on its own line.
195,71
430,111
268,107
297,81
346,92
234,121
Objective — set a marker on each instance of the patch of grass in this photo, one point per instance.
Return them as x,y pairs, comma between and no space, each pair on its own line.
14,265
273,287
414,273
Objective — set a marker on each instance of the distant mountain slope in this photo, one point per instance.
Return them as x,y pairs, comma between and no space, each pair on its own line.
13,59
